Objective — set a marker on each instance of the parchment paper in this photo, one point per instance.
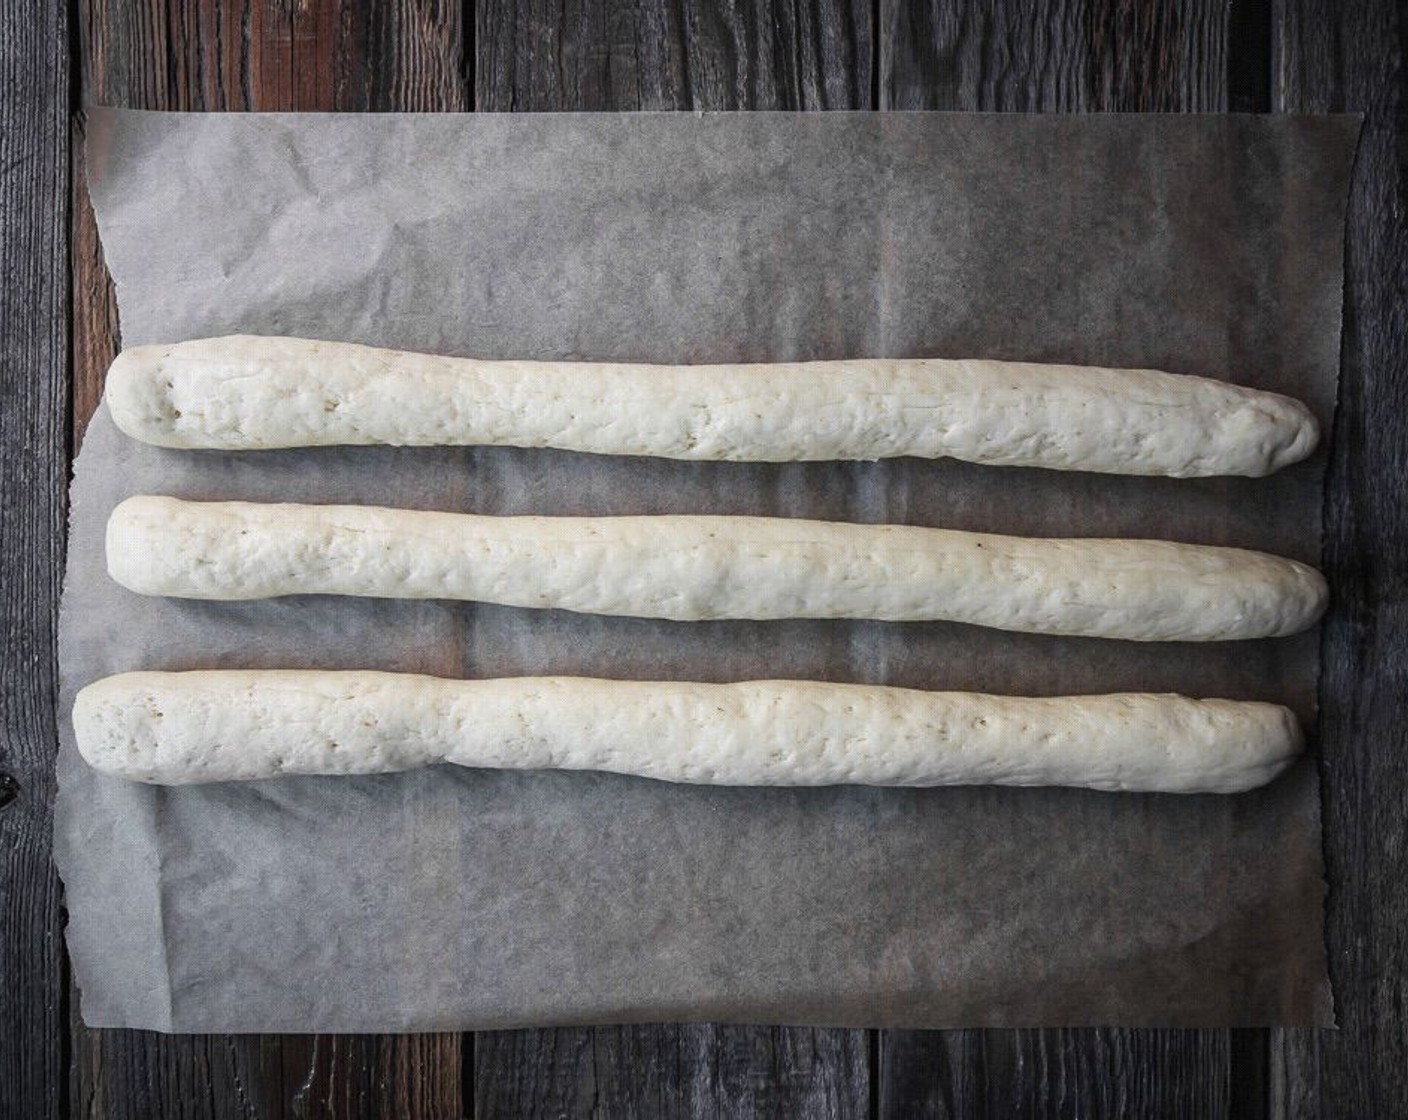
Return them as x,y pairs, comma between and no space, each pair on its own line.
457,898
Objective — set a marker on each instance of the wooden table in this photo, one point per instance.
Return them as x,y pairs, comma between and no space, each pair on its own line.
58,329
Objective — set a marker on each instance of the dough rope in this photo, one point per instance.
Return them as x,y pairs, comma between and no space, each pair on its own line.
243,393
692,568
177,728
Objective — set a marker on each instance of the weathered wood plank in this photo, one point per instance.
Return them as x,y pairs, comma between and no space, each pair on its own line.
1056,56
137,1074
1350,57
601,56
1085,1072
592,55
34,168
1062,56
258,55
694,1071
33,360
275,55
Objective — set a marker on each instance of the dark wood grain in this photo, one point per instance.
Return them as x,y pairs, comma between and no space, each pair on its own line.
594,55
1054,55
600,56
1083,1073
138,1074
275,55
1334,57
34,167
258,55
672,1071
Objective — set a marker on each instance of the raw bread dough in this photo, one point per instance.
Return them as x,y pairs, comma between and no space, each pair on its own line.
245,393
698,567
175,728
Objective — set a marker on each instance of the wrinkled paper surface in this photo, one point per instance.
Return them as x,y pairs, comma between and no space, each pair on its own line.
453,898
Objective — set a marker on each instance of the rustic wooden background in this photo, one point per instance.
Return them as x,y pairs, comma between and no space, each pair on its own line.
58,329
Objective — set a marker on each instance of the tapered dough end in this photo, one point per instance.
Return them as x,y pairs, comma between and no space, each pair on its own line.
1279,742
1277,430
139,397
146,385
131,561
1315,601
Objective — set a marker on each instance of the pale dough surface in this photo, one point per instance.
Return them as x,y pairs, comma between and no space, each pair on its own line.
175,728
250,392
692,568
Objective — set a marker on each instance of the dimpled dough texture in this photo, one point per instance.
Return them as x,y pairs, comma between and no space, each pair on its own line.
175,728
247,393
703,567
